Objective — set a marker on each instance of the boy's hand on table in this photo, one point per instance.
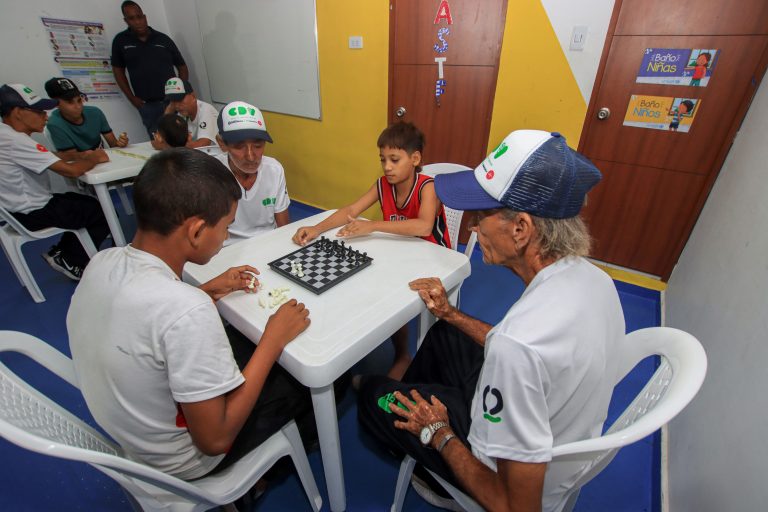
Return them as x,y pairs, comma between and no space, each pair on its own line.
290,320
98,156
355,228
305,235
235,278
122,140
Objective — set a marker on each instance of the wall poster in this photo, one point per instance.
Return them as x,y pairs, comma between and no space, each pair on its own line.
661,113
670,66
82,52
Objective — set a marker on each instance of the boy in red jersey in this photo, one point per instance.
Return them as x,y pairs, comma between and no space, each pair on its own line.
409,207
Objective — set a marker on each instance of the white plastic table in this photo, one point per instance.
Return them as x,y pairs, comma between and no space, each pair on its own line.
123,163
347,321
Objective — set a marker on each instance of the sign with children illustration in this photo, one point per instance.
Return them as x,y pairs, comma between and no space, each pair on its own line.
661,113
670,66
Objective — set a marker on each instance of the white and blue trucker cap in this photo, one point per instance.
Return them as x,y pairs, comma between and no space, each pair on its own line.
239,121
531,171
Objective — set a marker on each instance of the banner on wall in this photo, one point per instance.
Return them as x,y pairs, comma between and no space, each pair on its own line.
82,52
661,113
671,66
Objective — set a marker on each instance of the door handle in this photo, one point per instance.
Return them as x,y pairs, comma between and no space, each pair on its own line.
604,113
400,112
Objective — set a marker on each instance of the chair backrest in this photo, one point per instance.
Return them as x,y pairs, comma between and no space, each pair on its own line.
453,217
672,386
33,421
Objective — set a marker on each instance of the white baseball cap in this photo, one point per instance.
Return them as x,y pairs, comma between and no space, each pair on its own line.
239,121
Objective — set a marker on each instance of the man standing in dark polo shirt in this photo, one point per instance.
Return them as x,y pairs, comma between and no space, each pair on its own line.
150,57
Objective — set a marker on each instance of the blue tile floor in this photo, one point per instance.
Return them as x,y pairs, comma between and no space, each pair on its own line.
32,482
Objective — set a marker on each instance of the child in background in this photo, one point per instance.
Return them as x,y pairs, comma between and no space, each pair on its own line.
200,116
409,207
171,132
76,128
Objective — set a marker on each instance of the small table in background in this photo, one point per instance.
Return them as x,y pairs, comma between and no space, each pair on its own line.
123,163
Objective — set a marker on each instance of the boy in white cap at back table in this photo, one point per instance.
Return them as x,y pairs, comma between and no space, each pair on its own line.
264,202
200,116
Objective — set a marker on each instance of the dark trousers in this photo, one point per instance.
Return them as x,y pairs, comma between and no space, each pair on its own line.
70,211
447,366
150,113
282,398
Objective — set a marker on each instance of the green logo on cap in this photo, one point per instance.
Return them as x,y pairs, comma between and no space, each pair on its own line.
500,150
27,90
241,110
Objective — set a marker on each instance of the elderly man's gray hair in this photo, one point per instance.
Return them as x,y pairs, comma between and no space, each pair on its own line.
558,238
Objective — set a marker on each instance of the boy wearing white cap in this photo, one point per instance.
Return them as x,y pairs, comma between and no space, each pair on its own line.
24,187
264,203
485,405
200,116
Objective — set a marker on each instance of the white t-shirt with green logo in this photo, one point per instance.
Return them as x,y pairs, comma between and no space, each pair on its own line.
257,207
549,370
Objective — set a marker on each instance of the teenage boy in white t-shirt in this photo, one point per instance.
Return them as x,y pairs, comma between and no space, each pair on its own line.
200,116
24,187
156,367
264,202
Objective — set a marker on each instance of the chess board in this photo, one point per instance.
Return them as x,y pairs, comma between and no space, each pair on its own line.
325,263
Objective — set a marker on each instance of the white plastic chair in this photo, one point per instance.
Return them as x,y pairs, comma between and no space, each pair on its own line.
672,386
453,218
33,421
13,235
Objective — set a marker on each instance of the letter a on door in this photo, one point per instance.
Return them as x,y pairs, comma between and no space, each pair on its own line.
443,13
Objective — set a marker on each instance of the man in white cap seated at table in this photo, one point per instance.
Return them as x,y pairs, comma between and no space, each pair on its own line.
482,406
264,203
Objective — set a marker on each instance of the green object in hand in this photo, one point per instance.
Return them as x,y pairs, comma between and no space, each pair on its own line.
389,398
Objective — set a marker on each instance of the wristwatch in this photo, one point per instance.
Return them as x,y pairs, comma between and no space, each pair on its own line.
429,431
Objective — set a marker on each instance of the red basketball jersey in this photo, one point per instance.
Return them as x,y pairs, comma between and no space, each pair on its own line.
410,209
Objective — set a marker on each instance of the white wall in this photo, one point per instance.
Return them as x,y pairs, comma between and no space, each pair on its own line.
718,456
185,32
594,14
27,57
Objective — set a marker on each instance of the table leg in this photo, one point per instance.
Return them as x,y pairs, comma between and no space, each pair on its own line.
102,192
324,403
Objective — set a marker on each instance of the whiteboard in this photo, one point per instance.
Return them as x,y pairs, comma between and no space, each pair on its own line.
263,52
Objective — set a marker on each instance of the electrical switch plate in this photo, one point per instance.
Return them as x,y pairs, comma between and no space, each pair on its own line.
356,42
578,37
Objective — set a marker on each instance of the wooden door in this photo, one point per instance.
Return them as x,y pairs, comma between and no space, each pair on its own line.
457,128
655,182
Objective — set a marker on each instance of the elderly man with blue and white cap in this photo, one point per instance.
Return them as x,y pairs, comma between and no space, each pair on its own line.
482,406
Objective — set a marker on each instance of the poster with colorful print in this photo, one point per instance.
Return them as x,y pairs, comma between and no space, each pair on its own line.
83,54
661,113
670,66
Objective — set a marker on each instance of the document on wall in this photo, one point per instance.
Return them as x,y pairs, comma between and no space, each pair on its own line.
82,52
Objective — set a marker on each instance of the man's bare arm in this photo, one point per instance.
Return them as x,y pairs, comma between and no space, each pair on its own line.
432,292
122,82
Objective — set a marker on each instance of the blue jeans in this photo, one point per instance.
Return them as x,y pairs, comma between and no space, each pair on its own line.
150,113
